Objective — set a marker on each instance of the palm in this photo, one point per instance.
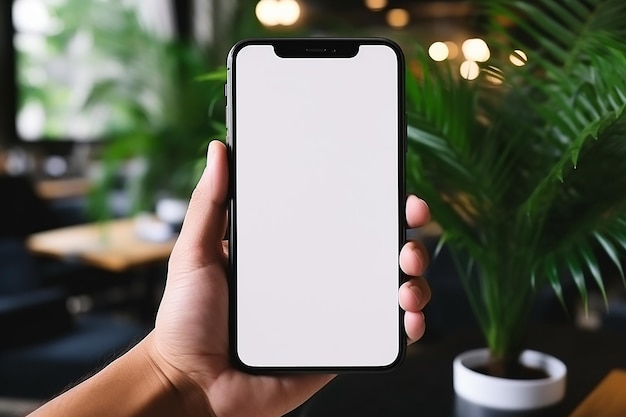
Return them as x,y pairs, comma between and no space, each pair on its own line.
192,335
193,320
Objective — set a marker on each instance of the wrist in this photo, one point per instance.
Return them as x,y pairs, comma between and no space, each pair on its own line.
136,384
186,396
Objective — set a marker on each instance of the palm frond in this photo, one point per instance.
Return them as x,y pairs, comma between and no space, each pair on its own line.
528,178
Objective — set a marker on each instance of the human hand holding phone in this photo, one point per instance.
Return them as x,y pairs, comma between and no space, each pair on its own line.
183,366
191,335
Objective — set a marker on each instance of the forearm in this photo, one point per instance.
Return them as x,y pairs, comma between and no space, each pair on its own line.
131,386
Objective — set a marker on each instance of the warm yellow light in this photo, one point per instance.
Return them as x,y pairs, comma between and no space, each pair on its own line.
397,18
476,50
438,51
277,12
289,12
518,58
469,70
267,13
453,50
376,5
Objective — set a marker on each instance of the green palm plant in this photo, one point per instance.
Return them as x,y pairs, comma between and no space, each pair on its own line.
527,174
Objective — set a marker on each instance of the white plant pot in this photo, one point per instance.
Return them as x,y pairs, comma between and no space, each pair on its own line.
509,394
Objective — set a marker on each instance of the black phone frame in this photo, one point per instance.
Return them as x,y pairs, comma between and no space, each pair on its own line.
313,47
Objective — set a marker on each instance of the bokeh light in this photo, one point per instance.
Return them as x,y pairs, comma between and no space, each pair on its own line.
398,18
469,70
438,51
476,50
453,50
375,5
518,58
277,12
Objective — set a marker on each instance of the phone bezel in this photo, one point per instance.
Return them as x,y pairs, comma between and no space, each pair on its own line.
326,48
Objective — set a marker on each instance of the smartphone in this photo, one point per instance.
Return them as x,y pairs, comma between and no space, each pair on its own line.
316,134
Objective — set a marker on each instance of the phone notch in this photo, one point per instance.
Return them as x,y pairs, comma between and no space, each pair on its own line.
316,48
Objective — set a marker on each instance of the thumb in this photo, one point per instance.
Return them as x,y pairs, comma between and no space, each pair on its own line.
205,222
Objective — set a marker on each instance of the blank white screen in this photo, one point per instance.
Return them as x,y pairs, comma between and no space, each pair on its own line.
316,148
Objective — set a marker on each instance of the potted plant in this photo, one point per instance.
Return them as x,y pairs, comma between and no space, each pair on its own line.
524,169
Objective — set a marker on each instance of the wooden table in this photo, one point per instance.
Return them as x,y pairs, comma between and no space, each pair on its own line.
112,245
62,188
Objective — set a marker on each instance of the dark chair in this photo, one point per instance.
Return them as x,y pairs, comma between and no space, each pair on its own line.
22,211
44,348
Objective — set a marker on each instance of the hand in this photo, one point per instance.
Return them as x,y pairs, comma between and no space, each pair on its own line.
189,344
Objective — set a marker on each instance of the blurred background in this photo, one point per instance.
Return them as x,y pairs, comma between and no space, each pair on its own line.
107,93
105,113
106,110
81,74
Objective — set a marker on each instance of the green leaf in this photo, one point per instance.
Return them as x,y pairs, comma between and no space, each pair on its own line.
564,13
611,252
217,75
556,173
440,244
592,266
578,277
412,88
552,274
578,7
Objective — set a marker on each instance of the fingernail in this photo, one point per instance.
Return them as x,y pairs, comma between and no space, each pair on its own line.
210,153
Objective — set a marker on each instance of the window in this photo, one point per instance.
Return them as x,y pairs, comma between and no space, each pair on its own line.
86,67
